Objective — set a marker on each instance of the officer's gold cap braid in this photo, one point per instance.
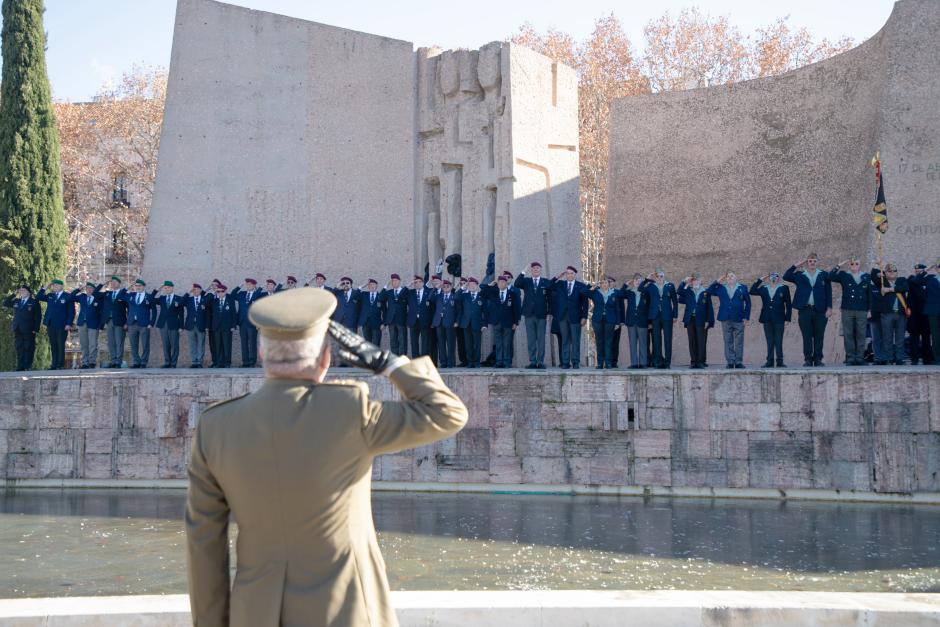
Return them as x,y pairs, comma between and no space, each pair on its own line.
293,314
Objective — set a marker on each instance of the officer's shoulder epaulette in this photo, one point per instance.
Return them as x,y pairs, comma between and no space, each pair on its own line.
228,400
346,383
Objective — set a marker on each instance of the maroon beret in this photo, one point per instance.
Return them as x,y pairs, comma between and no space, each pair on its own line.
222,286
502,277
534,264
252,281
463,279
395,276
507,273
436,276
572,268
197,285
373,281
320,275
217,281
446,282
472,280
418,277
345,278
271,281
291,278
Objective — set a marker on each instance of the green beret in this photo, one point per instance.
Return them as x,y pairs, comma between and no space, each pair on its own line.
140,282
168,284
57,282
293,314
89,284
116,278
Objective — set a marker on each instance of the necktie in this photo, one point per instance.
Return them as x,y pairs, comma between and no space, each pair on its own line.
113,296
347,297
502,297
89,301
140,297
169,300
570,288
372,299
197,302
24,303
249,298
536,283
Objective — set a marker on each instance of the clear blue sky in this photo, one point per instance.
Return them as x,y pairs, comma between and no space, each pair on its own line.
93,41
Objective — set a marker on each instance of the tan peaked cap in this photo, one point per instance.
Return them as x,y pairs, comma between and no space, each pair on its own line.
293,314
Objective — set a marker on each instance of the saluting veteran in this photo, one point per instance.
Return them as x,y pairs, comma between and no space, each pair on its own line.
292,464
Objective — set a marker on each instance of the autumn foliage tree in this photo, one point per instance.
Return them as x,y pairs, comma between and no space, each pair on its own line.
688,50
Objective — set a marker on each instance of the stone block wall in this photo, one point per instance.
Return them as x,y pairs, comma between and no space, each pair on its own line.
835,429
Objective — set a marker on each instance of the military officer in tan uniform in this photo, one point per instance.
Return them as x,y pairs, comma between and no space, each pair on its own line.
292,465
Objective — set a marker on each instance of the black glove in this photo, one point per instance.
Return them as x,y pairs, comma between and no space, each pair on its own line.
356,351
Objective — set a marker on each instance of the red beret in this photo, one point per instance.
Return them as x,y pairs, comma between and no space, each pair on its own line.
319,275
507,273
271,281
534,264
572,268
446,282
436,276
222,286
502,277
395,276
252,281
345,278
463,279
418,278
472,280
197,285
291,278
373,281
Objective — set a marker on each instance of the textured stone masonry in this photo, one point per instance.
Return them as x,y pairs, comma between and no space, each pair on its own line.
842,429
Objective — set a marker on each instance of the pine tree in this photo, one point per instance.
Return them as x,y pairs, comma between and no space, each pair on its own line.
33,232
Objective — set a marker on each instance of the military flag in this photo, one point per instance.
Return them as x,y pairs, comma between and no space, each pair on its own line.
880,210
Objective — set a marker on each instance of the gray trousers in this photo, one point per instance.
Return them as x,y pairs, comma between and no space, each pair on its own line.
116,335
535,339
171,345
88,338
638,345
197,346
892,335
139,338
570,343
853,334
734,341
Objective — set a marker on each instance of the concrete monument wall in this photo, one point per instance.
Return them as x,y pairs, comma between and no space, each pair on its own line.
868,431
755,176
291,147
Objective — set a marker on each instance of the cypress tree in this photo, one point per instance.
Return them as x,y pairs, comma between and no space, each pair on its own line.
33,232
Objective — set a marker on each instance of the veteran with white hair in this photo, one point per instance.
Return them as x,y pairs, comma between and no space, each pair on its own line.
292,463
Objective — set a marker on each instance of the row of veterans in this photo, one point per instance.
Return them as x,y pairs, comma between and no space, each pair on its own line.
445,319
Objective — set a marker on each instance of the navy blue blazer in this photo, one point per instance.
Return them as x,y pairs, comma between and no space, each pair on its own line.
777,309
90,314
737,307
472,311
244,305
855,296
27,317
571,308
636,313
884,303
371,314
702,306
420,313
347,310
931,284
917,292
170,317
662,307
505,313
446,314
224,313
142,315
114,308
822,291
60,308
396,307
610,310
196,318
536,302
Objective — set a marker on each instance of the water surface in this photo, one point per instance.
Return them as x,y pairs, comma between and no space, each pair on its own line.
90,542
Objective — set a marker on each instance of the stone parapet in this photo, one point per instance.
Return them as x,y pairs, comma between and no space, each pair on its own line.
831,429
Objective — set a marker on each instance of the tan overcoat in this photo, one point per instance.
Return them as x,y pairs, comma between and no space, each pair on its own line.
292,463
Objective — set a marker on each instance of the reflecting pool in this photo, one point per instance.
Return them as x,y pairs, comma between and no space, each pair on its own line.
91,542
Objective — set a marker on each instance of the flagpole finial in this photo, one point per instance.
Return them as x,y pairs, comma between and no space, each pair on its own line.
876,159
